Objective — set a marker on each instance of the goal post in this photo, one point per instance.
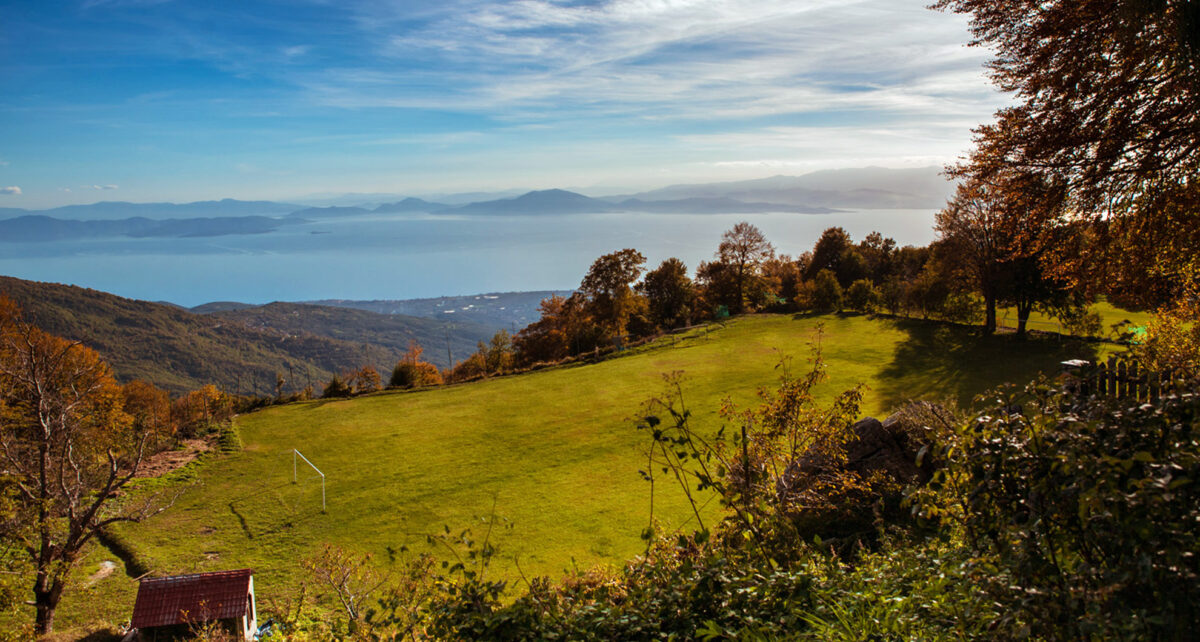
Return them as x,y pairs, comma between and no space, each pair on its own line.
295,477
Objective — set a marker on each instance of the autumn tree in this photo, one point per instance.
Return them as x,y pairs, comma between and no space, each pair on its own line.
548,338
743,250
670,294
365,380
66,447
498,353
972,226
877,253
828,252
1106,103
608,287
149,407
717,287
336,389
783,276
826,293
199,411
412,371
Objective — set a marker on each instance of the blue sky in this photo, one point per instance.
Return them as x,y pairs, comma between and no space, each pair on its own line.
148,100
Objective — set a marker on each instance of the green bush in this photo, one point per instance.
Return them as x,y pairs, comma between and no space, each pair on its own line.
1088,506
862,295
826,293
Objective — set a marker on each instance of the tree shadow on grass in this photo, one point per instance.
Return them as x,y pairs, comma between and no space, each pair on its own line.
940,360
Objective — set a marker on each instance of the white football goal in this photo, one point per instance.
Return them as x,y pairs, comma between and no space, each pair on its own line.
295,478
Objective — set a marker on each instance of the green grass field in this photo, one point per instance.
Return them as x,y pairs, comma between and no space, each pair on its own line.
1109,315
555,451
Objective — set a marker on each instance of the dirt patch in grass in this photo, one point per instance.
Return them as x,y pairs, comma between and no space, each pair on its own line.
170,460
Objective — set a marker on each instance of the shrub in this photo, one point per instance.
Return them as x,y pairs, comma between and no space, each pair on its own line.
1081,322
365,380
336,389
825,294
863,296
1088,507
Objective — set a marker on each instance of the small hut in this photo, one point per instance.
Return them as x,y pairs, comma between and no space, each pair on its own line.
168,608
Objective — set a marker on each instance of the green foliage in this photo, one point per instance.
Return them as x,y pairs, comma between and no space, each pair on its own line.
1086,506
863,296
961,307
769,496
909,588
670,294
825,294
1082,322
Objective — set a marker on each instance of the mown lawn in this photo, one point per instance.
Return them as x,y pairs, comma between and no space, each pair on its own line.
555,452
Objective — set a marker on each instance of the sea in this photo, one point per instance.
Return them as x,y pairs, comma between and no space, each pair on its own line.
416,255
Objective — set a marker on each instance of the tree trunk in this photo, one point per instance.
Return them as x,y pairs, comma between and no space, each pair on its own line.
46,602
1023,311
989,323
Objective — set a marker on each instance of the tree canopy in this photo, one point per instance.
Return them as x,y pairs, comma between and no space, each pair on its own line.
1108,106
66,447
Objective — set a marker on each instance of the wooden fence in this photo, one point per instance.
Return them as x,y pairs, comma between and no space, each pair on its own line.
1122,378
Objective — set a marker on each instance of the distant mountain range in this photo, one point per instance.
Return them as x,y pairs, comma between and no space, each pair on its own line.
816,193
109,210
865,188
45,228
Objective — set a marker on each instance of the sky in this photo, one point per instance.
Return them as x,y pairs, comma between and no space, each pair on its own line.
178,100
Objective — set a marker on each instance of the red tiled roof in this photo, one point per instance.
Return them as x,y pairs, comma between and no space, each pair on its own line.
163,601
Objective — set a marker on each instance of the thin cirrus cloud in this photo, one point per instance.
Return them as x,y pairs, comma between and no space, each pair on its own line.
681,58
99,188
214,92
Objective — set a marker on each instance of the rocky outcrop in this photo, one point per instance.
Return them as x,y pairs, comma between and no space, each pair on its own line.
842,487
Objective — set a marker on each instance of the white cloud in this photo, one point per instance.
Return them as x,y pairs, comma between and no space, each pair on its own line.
540,61
12,190
99,187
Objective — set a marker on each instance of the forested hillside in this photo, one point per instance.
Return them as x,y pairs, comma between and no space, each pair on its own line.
441,340
179,350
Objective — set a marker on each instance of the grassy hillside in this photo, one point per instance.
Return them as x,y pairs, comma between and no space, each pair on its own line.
554,451
390,331
180,350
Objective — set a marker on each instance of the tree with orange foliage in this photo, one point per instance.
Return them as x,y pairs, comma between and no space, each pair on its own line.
1107,104
412,371
365,380
608,286
66,446
548,338
743,249
150,408
197,412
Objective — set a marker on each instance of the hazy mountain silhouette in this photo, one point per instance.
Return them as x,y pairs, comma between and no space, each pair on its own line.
411,205
864,188
37,228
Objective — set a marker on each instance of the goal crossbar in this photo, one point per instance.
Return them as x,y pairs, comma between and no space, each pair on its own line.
297,453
